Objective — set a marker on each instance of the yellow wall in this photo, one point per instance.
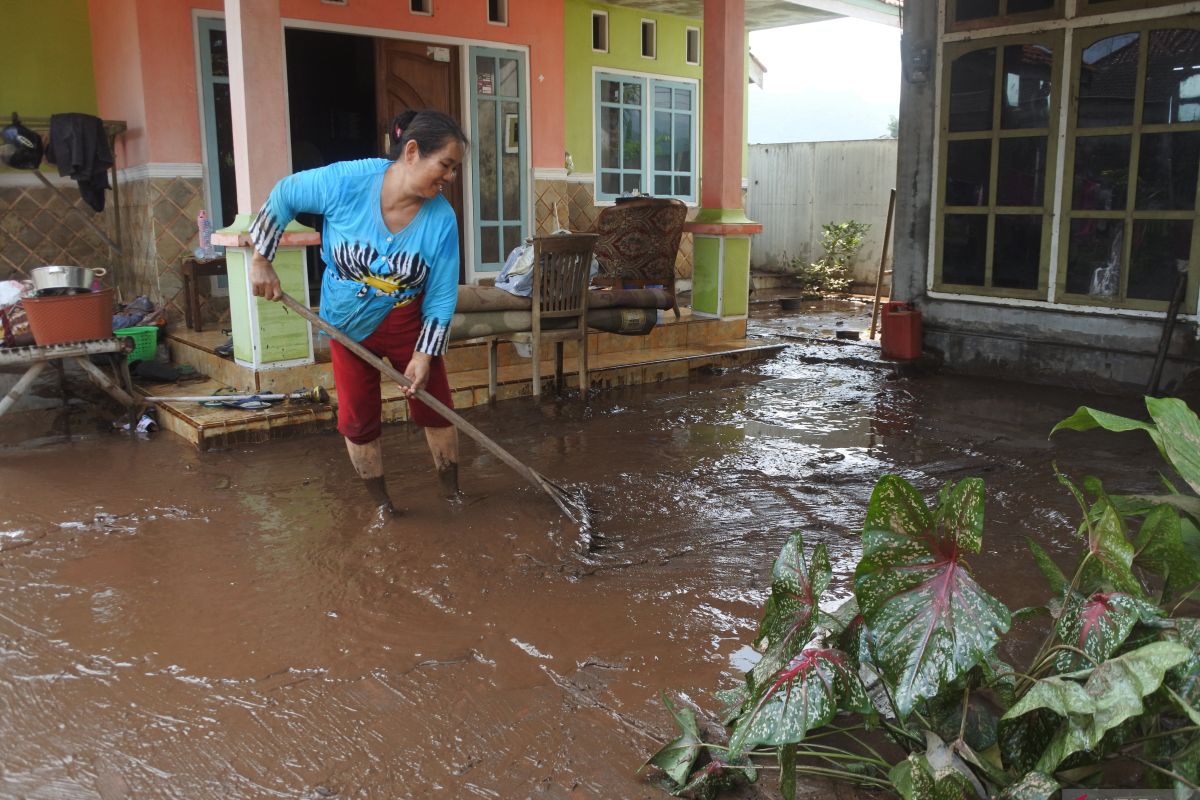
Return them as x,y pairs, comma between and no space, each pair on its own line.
624,53
45,59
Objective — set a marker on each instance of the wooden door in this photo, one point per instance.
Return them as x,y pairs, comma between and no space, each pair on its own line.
417,75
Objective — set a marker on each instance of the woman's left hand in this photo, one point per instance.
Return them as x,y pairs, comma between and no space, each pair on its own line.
417,372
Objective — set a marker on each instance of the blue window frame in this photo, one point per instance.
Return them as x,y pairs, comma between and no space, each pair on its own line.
645,137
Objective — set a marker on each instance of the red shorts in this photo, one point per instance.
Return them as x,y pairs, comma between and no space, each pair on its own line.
359,401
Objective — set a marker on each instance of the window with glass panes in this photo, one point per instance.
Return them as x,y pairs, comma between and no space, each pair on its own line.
645,137
968,14
1133,165
997,156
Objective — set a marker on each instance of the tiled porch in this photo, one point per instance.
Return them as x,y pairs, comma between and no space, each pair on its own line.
671,351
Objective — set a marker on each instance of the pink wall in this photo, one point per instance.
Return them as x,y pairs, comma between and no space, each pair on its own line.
145,66
116,59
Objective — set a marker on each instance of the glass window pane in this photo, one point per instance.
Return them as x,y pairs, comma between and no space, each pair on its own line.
610,183
509,85
220,55
631,135
1108,81
1101,173
1157,247
1094,257
489,245
683,143
1021,173
489,202
512,238
662,97
1167,167
610,137
631,94
683,186
631,183
1172,64
975,9
683,99
1017,256
662,184
972,83
1025,91
224,157
968,164
1025,6
610,91
662,140
964,249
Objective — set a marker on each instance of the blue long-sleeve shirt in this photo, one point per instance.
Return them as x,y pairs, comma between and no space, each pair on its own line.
422,260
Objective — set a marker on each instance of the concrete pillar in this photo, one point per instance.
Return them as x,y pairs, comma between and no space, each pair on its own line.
721,231
256,91
265,335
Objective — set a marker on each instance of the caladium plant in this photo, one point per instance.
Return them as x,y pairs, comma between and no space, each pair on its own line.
900,687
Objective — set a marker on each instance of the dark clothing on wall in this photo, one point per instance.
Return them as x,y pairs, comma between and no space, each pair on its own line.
80,148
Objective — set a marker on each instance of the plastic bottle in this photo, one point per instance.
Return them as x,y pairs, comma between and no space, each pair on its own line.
204,228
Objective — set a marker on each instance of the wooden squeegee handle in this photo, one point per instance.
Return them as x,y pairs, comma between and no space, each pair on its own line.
441,408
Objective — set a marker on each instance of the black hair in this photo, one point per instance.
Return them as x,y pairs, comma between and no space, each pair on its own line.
431,130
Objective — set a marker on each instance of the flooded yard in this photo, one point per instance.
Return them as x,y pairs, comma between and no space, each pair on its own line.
177,625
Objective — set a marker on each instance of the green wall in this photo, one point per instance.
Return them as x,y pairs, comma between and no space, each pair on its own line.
46,59
624,53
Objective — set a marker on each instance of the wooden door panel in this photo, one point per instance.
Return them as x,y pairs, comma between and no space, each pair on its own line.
413,75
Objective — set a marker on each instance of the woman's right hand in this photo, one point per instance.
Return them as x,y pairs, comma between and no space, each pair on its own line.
263,280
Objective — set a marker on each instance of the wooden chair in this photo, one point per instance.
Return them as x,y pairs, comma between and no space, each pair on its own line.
561,267
639,241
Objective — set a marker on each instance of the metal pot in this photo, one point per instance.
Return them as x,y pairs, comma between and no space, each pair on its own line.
57,277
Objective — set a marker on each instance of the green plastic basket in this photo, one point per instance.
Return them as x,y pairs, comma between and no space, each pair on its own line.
145,341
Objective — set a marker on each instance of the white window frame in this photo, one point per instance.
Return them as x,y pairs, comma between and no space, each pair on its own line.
649,82
689,32
426,9
603,17
502,7
652,26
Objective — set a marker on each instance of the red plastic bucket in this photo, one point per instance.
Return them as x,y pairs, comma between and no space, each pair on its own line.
901,336
70,318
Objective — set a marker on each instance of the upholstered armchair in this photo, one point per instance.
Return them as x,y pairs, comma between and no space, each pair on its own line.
639,241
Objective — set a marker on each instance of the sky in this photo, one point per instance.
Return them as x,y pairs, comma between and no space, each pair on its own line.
825,81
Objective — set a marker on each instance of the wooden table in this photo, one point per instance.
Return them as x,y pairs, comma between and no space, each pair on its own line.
37,358
192,269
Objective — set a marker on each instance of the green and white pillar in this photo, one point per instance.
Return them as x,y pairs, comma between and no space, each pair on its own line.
265,334
721,231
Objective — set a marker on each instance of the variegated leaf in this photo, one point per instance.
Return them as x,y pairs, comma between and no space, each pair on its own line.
1179,432
796,590
801,697
1112,694
1097,625
929,620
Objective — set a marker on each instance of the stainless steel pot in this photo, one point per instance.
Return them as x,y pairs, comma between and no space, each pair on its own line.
58,277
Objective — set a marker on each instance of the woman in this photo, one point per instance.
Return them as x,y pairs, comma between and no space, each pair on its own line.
390,246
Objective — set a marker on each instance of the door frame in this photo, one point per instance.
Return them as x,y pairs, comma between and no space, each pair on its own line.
522,147
466,95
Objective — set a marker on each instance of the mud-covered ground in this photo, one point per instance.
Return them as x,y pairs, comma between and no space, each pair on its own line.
183,625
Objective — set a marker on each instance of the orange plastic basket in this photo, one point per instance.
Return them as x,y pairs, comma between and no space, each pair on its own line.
70,318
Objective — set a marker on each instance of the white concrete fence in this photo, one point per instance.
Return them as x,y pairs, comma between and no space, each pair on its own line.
796,188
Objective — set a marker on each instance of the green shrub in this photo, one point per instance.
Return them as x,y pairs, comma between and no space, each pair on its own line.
831,272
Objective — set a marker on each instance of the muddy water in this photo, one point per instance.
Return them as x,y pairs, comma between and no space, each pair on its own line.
182,625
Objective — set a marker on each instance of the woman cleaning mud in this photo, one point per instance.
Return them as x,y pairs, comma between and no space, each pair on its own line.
390,247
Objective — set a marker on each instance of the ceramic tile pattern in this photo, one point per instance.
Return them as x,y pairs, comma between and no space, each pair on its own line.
157,230
37,227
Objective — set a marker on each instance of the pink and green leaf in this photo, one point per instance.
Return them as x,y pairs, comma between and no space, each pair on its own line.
928,619
1097,626
803,696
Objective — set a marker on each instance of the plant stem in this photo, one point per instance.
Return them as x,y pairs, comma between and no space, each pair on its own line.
1161,734
837,774
962,724
1175,776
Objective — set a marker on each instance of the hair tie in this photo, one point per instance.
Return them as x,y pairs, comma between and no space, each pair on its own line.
399,133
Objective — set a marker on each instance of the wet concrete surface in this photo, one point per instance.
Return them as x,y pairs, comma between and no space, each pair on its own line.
178,625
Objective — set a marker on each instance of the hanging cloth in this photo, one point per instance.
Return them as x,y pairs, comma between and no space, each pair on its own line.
80,148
